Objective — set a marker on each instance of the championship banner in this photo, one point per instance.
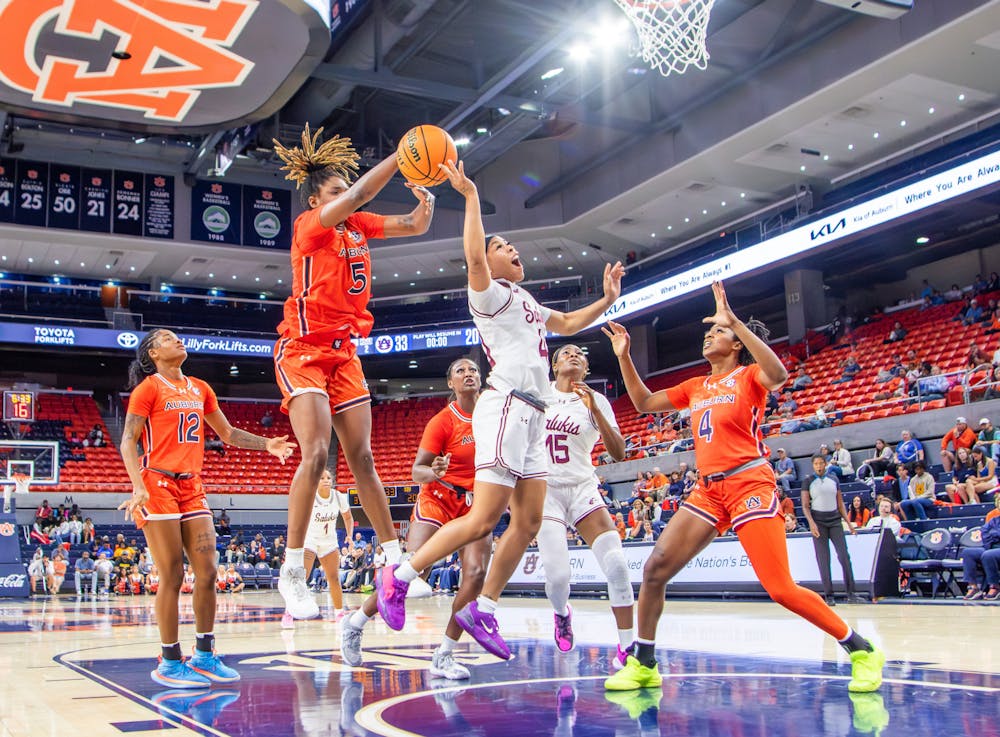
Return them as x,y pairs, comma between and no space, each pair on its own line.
158,215
267,218
216,212
8,169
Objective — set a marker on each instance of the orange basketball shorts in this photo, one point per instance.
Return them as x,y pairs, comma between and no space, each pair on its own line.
736,500
437,505
331,369
170,498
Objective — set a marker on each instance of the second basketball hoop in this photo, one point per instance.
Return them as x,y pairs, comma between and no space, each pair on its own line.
672,33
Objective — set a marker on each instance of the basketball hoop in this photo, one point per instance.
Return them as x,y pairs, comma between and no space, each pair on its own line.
21,483
672,33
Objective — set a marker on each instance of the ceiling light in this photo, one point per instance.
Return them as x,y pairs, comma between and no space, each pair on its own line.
670,227
704,212
256,278
234,276
462,141
583,253
579,52
211,275
55,279
554,72
131,268
652,235
687,220
56,262
31,260
418,272
723,203
396,275
282,282
826,157
383,381
875,134
557,282
850,147
802,168
961,98
569,268
81,263
5,258
534,258
440,268
930,111
902,124
558,255
263,296
482,130
922,240
503,111
743,195
186,273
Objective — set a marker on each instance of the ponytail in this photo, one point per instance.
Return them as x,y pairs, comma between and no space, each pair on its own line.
143,365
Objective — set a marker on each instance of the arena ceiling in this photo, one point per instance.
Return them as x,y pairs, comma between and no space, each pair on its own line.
603,158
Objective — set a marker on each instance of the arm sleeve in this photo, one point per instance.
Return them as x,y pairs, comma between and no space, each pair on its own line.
435,437
142,398
491,302
369,223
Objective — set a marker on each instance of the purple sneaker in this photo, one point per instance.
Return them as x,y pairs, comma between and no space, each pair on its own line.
618,661
483,628
391,597
564,630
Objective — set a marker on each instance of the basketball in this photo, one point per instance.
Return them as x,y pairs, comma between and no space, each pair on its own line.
420,152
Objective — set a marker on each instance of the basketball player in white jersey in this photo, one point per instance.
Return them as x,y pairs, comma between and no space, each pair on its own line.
321,540
575,419
508,423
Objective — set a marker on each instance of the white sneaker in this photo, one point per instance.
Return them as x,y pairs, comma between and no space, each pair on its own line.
419,589
298,601
287,621
444,665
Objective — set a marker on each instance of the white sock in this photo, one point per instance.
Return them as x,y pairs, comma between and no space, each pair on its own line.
486,604
358,619
447,645
392,552
404,571
564,612
626,637
295,557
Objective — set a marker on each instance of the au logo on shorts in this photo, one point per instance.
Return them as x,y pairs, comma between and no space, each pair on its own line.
753,502
148,63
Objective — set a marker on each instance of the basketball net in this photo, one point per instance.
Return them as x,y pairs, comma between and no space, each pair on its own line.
21,483
672,33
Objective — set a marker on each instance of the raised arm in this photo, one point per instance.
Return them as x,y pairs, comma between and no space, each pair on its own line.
418,221
360,193
772,372
570,323
473,232
644,400
279,447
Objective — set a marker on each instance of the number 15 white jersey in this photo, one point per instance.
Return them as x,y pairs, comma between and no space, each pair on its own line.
571,433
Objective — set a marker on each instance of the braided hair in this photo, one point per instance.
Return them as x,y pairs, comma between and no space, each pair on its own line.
143,365
313,165
760,330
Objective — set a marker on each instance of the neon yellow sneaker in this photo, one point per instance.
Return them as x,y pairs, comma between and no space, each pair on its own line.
866,671
636,703
870,714
633,677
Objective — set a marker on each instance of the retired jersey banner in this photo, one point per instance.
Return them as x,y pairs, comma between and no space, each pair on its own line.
64,197
267,217
216,212
95,210
127,209
162,65
158,216
31,202
8,185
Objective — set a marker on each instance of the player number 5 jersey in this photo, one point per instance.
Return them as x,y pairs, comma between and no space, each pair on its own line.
571,434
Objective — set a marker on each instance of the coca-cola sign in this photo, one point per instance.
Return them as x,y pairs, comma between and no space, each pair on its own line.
13,581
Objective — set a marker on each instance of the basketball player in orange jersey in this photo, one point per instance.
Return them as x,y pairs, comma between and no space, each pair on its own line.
737,489
163,447
446,467
315,361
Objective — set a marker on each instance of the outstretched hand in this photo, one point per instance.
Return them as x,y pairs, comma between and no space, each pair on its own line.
422,194
619,337
134,504
613,280
586,394
280,448
456,175
724,316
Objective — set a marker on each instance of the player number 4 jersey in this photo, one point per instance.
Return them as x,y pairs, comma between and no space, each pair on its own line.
571,433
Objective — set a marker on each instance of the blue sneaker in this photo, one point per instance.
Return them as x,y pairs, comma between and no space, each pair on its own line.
202,706
178,674
211,667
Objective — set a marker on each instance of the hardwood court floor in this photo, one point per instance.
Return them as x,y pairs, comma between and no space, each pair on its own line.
73,668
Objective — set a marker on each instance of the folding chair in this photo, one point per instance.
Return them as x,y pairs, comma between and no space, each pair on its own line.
971,538
932,547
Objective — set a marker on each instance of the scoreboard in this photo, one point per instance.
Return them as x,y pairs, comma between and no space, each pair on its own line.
18,406
97,200
397,494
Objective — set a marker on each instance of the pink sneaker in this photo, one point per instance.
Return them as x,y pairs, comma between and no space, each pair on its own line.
287,621
618,661
391,597
564,630
483,628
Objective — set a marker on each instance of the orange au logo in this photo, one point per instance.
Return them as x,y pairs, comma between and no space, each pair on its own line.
936,537
160,182
64,177
128,184
6,529
96,181
216,189
265,194
3,170
32,173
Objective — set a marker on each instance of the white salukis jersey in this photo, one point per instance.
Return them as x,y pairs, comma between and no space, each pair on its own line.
571,433
323,522
511,326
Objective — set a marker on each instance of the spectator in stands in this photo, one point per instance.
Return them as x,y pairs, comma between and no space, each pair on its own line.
897,333
784,470
676,487
683,442
921,493
885,517
899,486
234,581
104,546
84,571
894,386
222,527
95,438
932,384
801,381
840,460
786,505
59,566
278,551
985,559
989,438
267,420
620,525
788,403
953,294
88,531
75,527
849,368
658,484
977,356
103,569
993,284
74,440
792,524
960,436
984,478
993,325
961,470
881,460
772,403
972,313
43,514
857,513
979,284
909,450
38,574
647,532
824,510
926,290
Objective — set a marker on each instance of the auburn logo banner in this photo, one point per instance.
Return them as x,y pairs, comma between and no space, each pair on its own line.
158,63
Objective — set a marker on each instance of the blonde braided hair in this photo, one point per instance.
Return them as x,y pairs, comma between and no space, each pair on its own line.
312,165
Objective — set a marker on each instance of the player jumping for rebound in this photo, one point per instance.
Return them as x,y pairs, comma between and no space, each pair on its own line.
737,489
166,417
315,360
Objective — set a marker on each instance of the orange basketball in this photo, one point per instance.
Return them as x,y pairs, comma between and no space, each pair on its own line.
420,152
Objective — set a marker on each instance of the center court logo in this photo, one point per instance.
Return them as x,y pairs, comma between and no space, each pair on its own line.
127,340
